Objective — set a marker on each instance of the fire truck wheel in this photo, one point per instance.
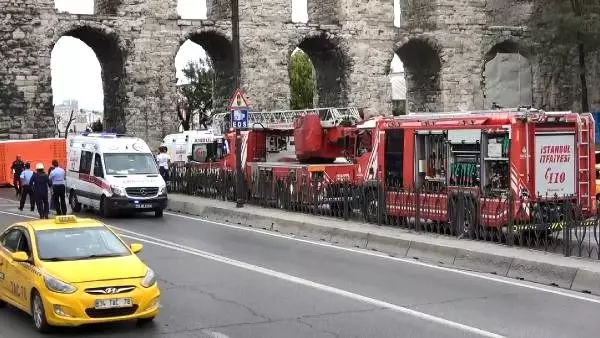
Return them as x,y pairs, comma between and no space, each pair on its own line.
470,215
371,206
453,214
280,195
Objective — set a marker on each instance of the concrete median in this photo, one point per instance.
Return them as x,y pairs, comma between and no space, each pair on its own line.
577,274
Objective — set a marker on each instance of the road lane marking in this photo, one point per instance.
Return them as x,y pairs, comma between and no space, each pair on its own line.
498,279
293,279
305,282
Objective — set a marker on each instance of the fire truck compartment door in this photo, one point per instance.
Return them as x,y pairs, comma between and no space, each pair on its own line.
555,158
464,136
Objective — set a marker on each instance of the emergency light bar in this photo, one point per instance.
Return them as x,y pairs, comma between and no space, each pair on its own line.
104,135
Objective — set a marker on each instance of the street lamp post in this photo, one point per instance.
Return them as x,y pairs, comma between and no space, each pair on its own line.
235,37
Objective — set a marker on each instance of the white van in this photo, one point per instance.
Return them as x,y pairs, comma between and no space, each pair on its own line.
195,146
110,172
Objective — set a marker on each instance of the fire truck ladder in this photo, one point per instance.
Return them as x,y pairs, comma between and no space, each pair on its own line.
284,119
583,149
437,115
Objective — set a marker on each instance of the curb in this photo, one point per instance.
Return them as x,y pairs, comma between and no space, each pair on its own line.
562,276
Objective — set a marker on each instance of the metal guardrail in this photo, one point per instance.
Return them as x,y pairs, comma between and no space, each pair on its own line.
556,225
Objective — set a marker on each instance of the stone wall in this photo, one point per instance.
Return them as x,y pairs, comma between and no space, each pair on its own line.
444,45
106,7
25,94
328,12
218,9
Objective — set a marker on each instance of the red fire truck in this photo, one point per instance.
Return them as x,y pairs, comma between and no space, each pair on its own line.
285,150
427,162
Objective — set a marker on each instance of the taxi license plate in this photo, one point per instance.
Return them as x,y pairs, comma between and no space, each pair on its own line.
143,206
113,303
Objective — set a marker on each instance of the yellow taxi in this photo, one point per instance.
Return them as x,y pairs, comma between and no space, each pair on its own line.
68,272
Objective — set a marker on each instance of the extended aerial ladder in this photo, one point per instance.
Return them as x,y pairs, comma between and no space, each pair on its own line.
284,119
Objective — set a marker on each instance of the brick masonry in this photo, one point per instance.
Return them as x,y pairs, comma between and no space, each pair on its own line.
443,44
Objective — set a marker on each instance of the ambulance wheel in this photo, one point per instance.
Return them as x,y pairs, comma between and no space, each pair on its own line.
158,213
75,205
38,313
104,208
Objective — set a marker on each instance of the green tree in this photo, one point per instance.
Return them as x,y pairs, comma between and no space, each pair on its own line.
197,94
562,27
96,126
302,84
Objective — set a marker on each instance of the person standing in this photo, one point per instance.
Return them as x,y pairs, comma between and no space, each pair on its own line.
17,168
40,184
26,187
163,159
52,204
57,179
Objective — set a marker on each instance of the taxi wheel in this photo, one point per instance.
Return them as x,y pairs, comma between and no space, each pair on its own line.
38,313
2,303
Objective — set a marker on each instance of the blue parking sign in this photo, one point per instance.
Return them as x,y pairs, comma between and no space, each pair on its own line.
239,118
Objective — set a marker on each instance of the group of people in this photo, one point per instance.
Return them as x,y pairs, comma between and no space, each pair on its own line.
37,186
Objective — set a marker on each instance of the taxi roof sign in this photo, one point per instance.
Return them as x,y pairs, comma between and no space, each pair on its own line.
63,219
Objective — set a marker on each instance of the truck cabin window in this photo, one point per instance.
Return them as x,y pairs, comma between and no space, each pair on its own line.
363,142
207,152
130,164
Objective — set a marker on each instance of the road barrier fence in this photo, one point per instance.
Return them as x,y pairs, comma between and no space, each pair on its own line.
552,224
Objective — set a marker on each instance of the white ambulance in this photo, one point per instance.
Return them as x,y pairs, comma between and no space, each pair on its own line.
111,172
195,146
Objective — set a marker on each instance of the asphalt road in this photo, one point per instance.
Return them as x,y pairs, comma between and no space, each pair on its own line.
223,281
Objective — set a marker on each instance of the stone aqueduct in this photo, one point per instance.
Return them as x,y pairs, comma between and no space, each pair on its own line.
442,43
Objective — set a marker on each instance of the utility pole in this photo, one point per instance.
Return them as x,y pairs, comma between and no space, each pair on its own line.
235,37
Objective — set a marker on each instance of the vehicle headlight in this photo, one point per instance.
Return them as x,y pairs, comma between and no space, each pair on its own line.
57,285
149,279
162,190
117,190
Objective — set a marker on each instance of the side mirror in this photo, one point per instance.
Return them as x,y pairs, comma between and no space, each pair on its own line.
136,247
19,256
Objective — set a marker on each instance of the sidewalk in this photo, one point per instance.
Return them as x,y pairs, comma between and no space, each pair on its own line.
578,274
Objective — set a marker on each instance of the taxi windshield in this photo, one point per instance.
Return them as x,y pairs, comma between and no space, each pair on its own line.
130,164
78,243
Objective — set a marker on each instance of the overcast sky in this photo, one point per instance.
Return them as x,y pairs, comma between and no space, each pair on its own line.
75,68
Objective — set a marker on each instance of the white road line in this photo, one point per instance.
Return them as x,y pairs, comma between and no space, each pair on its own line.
309,283
294,279
498,279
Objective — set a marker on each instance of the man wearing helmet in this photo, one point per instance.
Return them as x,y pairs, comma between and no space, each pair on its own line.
40,184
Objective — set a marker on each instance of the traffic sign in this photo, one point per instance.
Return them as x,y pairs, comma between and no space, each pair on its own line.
238,101
239,118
